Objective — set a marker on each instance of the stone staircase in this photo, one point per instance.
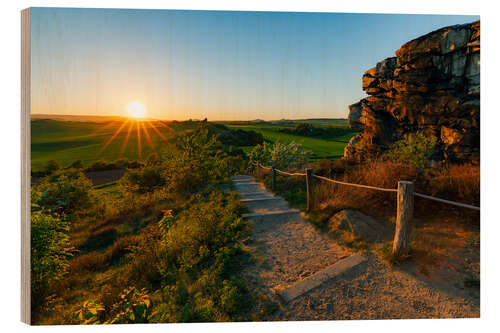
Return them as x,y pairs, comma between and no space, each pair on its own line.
298,257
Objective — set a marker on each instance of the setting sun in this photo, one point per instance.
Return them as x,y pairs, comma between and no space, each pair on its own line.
136,110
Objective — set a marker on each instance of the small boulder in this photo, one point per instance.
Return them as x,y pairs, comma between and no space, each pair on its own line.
354,225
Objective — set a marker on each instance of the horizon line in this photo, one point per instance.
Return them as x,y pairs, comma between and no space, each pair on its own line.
187,119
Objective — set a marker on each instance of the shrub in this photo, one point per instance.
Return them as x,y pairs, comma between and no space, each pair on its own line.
237,164
64,192
309,130
143,180
232,295
101,165
78,164
89,313
100,238
133,307
280,155
414,149
50,252
52,166
198,258
456,182
153,159
259,154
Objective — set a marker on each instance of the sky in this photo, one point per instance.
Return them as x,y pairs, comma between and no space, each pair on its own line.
220,65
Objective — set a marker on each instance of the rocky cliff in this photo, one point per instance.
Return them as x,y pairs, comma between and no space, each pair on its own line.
430,86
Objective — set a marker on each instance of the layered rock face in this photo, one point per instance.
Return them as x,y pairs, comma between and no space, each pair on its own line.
431,86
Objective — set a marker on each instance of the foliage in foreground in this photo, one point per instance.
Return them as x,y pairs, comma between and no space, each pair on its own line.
50,252
184,267
195,256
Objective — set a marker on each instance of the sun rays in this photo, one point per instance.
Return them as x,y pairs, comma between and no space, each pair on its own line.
144,131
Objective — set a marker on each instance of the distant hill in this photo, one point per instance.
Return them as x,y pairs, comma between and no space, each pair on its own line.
81,118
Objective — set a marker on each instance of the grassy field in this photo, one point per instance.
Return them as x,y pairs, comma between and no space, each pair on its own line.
330,149
68,141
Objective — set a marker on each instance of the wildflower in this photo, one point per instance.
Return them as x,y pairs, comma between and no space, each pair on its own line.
168,212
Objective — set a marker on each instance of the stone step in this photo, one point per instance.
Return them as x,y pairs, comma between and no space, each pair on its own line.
244,181
265,203
256,195
331,272
274,216
252,187
242,178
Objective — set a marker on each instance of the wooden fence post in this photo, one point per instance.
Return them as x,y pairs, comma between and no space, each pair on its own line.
309,188
273,178
401,245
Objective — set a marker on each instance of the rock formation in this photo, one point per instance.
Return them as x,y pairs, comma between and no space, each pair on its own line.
431,86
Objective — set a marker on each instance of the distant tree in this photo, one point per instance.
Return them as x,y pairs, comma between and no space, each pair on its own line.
152,159
52,166
78,164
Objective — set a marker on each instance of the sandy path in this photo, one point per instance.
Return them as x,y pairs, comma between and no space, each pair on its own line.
289,248
375,291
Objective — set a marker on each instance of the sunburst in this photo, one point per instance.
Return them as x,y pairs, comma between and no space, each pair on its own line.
136,121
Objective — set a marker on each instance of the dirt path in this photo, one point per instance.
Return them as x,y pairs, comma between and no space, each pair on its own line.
290,249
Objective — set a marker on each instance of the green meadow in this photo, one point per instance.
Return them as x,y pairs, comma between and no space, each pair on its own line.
69,141
322,148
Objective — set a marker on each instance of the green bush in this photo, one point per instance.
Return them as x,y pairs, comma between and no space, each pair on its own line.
143,180
64,192
283,156
52,166
199,259
309,130
50,251
78,164
414,149
133,307
101,165
233,294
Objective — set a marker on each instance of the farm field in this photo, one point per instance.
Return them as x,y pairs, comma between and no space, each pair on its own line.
331,148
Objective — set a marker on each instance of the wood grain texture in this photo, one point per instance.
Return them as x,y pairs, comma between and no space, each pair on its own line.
404,217
25,166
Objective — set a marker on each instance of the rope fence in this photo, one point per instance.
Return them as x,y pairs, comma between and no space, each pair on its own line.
290,174
355,185
405,203
446,201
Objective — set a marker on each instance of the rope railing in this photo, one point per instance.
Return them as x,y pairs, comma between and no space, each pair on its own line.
405,203
280,171
458,204
446,201
264,167
355,185
290,174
